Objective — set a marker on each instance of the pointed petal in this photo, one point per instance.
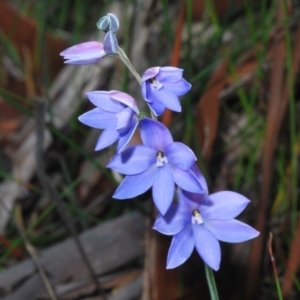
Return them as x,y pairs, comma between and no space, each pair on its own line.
155,135
156,107
169,74
190,200
207,246
107,138
200,177
186,180
84,53
167,98
181,248
98,118
163,189
125,139
134,185
176,218
125,99
179,88
124,120
133,160
150,73
103,100
231,231
145,90
180,155
110,43
224,205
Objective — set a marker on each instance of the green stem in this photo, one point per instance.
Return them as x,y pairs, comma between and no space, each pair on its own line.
128,64
122,55
211,283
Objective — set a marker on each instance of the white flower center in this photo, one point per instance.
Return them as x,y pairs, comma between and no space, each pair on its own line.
161,159
155,84
196,217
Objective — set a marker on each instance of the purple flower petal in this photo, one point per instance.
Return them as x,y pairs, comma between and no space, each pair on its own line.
190,200
125,99
169,74
103,100
134,185
155,135
156,107
231,231
176,218
163,189
145,91
133,160
110,43
150,73
124,120
98,118
224,205
107,138
200,177
179,88
180,155
84,53
186,180
207,246
125,139
181,248
167,98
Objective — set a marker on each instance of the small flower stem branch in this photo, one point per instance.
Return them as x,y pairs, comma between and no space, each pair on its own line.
122,55
280,297
211,283
129,65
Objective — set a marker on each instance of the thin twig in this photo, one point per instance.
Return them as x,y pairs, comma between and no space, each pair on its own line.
52,192
30,249
31,252
274,266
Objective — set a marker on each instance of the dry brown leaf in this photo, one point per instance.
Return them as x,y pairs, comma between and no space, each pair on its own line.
293,262
292,265
276,110
208,111
23,32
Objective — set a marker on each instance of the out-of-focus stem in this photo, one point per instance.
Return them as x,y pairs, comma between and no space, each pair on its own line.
122,55
128,64
211,283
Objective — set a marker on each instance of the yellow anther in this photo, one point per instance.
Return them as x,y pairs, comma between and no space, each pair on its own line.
160,155
196,213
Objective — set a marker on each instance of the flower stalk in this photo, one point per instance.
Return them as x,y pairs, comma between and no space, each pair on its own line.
124,58
211,283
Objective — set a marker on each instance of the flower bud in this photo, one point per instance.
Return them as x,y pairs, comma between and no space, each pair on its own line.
103,23
110,43
114,23
108,23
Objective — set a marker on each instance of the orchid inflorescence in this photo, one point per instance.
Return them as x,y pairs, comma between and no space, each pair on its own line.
196,219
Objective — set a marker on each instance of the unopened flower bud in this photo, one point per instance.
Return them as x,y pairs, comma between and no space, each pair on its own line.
114,23
108,23
103,23
110,43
